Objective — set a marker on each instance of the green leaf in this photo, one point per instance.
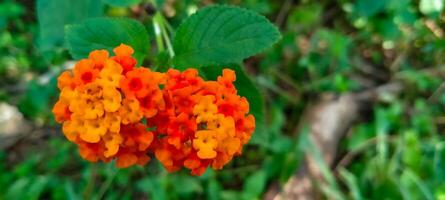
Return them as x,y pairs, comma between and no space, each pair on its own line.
35,103
153,186
423,187
337,47
16,188
254,185
213,189
307,145
412,154
305,16
352,183
382,127
107,33
361,135
69,191
290,165
230,194
222,35
37,187
369,8
53,15
185,185
11,9
122,3
246,88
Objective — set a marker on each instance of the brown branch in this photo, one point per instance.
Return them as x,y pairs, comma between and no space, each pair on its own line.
329,120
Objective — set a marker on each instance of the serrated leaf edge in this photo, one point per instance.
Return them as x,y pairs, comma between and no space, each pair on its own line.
232,61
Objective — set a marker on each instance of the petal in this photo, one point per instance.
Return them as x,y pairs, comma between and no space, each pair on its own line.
123,50
126,160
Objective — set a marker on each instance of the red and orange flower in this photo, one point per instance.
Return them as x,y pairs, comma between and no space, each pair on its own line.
189,122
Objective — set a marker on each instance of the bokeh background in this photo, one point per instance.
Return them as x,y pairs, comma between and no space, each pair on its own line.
353,93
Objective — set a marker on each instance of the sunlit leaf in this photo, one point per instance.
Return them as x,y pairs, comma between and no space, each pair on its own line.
431,7
222,35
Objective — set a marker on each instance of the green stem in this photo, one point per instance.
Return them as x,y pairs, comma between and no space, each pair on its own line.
162,35
167,25
158,32
107,184
167,41
91,182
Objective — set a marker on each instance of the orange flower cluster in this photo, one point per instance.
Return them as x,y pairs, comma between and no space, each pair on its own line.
101,119
188,121
205,123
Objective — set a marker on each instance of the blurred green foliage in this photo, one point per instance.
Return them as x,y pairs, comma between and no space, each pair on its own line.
397,152
52,25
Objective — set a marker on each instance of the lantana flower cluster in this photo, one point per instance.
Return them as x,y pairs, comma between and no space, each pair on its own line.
114,110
